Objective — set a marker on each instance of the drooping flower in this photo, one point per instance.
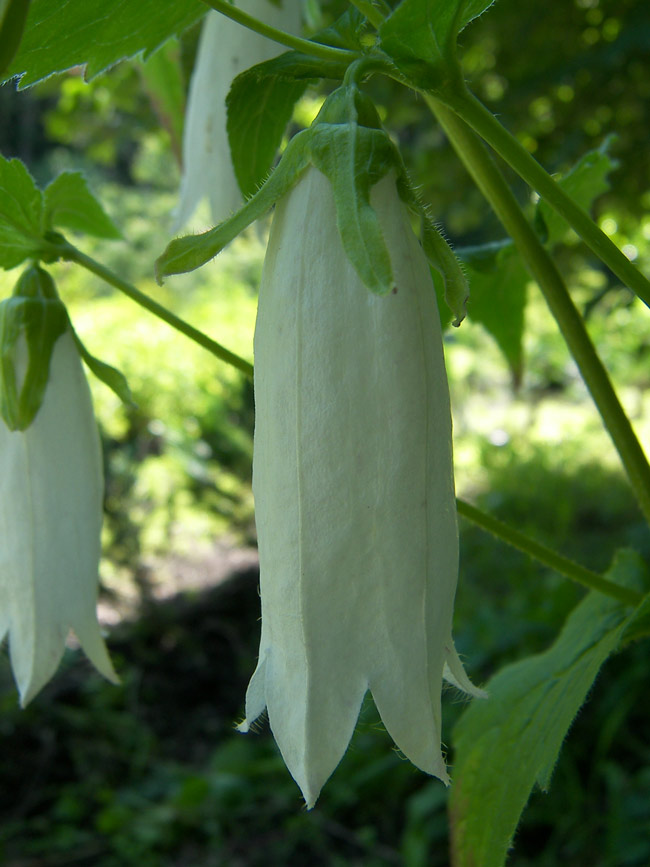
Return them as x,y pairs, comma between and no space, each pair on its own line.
51,489
225,49
354,492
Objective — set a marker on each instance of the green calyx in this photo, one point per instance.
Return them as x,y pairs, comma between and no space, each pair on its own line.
31,321
347,104
347,143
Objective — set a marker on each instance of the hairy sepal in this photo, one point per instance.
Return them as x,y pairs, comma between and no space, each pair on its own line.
192,251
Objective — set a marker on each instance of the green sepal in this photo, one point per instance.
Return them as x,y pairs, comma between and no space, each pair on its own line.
192,251
443,259
437,250
354,157
110,376
34,312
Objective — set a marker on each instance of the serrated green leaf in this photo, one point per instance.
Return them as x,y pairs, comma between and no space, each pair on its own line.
192,251
507,744
21,211
498,283
69,204
260,105
420,37
60,34
584,183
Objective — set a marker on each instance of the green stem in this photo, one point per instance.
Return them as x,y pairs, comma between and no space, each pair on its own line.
72,254
477,116
547,556
305,46
373,14
493,186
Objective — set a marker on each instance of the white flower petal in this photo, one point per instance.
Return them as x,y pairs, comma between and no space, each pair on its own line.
51,488
354,491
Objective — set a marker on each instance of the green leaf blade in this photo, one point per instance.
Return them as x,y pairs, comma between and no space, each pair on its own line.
420,37
498,283
507,744
69,204
21,212
259,109
584,183
98,33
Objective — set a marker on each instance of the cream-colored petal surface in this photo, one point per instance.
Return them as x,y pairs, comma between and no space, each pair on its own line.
354,490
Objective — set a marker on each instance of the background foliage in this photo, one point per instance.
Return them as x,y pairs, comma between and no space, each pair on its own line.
151,773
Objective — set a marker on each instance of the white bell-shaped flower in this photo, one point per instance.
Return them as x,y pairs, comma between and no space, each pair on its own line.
225,49
51,489
354,492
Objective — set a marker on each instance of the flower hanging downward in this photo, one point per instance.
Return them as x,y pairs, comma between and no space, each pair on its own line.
51,488
354,492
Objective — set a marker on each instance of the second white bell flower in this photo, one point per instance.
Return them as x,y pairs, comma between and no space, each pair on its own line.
354,492
51,490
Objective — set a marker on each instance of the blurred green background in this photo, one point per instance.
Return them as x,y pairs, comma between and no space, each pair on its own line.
151,773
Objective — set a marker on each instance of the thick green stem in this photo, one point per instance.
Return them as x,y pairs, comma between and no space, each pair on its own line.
477,116
72,254
547,556
491,182
305,46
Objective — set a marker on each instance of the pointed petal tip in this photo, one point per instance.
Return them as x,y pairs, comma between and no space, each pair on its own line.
310,792
455,674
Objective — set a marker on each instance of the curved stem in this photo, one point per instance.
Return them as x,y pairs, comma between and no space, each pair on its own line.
374,15
305,46
493,186
547,556
477,116
71,254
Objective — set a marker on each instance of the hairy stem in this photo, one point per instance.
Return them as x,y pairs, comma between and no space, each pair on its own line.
493,186
547,556
72,254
